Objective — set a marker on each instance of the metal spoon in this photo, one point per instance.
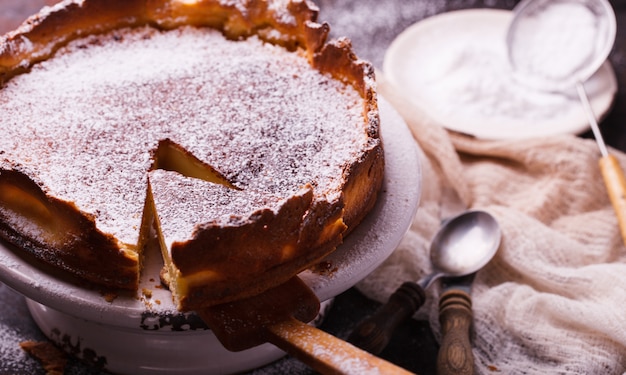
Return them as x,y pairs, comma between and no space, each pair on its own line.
557,45
462,246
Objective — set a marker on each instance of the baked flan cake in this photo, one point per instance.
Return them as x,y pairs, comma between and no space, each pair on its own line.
232,131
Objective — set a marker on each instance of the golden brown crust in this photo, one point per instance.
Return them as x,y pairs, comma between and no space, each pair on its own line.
242,275
324,222
78,246
44,33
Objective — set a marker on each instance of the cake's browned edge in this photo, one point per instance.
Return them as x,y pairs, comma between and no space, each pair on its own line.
83,250
43,34
326,222
364,178
271,237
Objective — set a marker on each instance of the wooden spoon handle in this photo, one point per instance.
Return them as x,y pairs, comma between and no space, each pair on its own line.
373,333
455,352
616,187
324,352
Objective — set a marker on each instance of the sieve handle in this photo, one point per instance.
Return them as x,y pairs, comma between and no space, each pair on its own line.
616,187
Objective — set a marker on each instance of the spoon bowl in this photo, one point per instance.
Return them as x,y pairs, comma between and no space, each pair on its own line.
463,245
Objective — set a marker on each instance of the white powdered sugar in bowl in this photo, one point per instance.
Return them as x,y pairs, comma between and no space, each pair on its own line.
557,43
455,68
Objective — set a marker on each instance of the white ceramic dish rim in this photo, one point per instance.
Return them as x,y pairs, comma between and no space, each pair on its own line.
601,87
139,352
364,250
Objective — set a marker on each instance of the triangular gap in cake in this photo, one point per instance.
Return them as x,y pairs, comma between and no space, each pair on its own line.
170,156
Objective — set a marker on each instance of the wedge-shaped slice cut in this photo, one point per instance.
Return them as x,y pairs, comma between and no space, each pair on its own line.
173,157
221,244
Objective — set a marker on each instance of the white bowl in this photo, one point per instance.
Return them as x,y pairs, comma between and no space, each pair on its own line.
145,334
454,67
137,351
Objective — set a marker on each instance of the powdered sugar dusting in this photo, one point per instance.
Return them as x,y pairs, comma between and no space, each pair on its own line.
20,363
346,362
240,5
13,330
204,203
278,7
58,6
257,113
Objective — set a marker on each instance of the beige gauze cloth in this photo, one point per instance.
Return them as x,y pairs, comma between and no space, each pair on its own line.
553,299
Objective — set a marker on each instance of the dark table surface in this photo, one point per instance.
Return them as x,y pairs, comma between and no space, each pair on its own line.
371,25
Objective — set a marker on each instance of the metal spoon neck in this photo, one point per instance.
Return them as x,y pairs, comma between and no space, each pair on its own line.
428,280
591,117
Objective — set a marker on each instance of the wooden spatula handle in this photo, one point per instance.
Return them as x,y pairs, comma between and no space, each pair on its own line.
616,187
455,352
326,353
373,333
